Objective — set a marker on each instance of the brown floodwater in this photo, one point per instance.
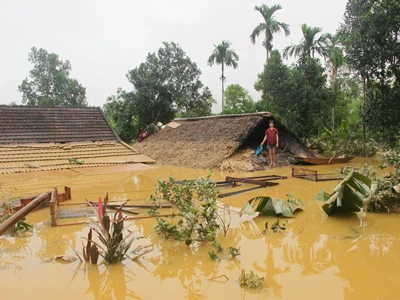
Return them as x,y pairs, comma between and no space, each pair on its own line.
354,256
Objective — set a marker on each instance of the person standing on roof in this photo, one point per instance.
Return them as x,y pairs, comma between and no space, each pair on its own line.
272,139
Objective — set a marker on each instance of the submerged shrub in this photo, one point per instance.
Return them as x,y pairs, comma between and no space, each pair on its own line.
251,280
197,203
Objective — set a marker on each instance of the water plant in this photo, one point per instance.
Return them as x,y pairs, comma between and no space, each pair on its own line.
251,280
276,227
219,252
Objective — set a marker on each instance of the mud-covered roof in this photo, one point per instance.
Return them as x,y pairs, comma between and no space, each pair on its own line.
34,124
56,138
206,142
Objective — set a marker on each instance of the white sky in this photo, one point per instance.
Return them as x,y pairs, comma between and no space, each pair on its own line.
104,39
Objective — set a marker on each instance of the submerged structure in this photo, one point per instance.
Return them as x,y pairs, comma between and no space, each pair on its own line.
53,138
205,142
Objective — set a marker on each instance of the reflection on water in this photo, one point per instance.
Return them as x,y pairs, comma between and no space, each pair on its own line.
110,282
318,257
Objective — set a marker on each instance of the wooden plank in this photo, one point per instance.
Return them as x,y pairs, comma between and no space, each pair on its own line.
251,181
173,124
240,192
19,215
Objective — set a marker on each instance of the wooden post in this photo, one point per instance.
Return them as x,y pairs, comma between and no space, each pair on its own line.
10,222
54,207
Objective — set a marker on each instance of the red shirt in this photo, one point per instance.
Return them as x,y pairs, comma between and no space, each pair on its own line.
271,136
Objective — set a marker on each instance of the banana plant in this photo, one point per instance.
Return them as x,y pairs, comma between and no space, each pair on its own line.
349,195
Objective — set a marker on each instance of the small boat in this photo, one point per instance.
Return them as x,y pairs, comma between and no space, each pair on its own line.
324,160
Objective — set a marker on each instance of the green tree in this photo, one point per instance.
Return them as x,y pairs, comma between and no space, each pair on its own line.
165,85
168,82
298,95
309,44
224,56
49,83
371,39
269,27
334,54
238,100
120,112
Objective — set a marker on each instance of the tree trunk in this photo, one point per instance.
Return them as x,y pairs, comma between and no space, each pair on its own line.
223,80
266,61
364,131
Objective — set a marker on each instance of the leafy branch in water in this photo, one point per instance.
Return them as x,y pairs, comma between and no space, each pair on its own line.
219,253
197,202
276,227
251,280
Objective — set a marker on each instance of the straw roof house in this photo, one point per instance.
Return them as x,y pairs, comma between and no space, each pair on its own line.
52,138
206,142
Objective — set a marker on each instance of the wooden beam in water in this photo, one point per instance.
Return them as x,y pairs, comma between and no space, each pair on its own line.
19,215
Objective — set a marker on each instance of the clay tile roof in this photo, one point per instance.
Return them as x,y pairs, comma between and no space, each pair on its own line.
56,138
27,124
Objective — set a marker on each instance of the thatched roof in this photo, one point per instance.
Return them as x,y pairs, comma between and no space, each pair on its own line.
205,142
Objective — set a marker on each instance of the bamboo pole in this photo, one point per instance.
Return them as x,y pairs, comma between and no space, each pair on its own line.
19,215
127,218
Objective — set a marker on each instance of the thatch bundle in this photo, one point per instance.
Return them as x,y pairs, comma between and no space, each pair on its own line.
206,142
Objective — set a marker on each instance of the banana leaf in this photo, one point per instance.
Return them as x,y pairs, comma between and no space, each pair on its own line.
269,206
348,196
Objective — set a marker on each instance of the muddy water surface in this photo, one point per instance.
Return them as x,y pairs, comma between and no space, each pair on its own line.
317,257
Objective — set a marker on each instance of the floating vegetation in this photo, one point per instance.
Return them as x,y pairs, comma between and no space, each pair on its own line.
197,202
276,227
251,280
349,195
268,206
76,161
219,252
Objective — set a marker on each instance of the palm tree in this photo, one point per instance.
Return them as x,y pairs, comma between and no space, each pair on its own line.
309,44
335,54
269,26
224,56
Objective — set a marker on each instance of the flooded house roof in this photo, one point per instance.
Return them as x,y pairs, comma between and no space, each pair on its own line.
206,142
52,138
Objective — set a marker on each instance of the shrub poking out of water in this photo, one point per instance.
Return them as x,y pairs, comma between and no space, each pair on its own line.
251,280
276,227
113,245
219,252
197,202
386,192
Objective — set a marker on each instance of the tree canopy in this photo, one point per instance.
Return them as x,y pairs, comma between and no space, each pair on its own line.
166,84
298,95
238,100
371,38
269,27
49,82
309,44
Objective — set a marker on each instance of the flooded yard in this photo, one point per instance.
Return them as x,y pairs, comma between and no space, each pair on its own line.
353,256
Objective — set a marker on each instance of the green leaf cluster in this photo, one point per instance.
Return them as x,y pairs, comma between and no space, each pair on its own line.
349,195
197,203
269,206
251,280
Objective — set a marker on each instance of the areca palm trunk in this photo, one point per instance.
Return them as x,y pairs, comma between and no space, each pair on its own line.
223,79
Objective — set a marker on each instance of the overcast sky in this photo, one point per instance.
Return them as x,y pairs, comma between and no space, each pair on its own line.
104,39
